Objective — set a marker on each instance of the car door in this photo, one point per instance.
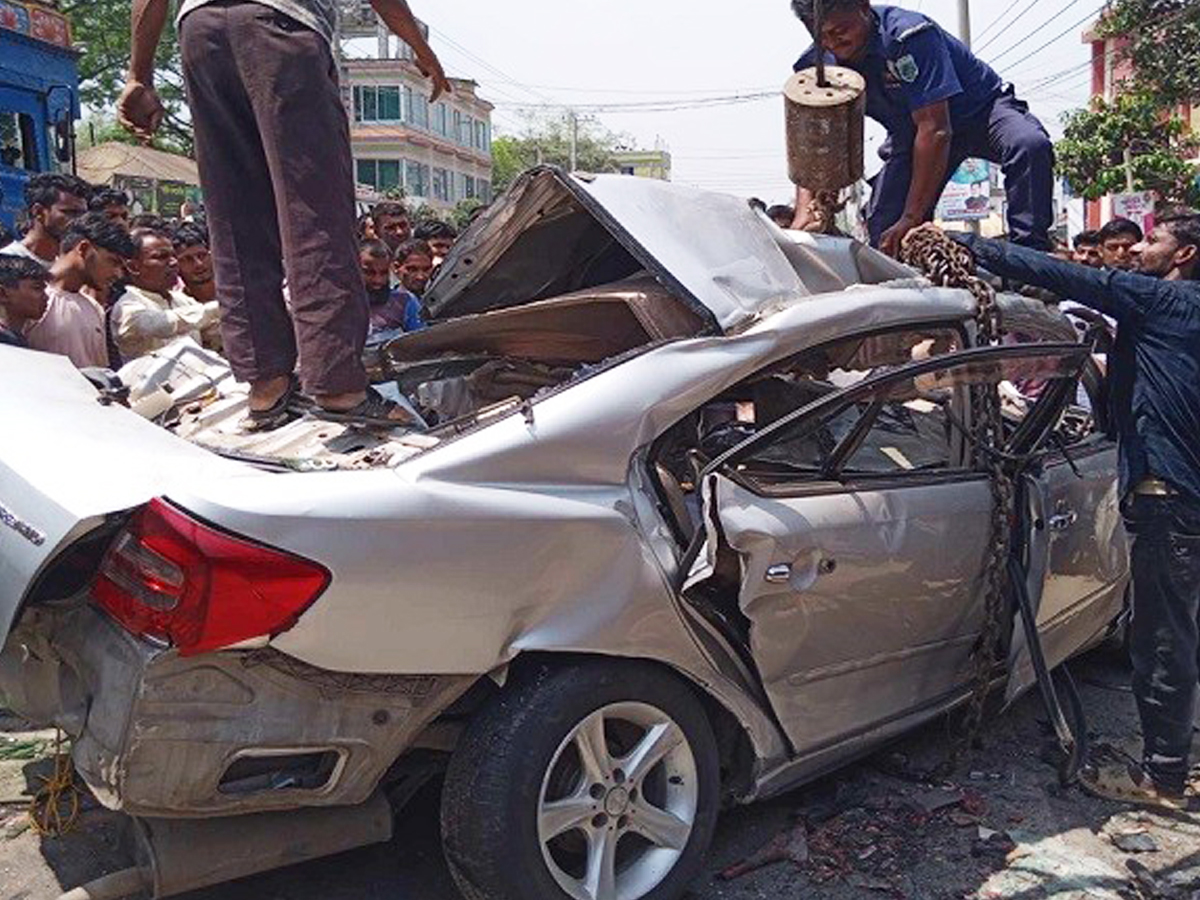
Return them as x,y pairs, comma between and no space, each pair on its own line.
861,532
1080,549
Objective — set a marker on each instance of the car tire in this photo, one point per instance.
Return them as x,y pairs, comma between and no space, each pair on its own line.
518,776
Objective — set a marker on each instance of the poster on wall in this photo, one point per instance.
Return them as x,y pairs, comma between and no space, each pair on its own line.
171,197
1137,207
968,195
140,191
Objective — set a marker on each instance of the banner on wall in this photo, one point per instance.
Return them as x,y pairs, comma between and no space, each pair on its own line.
968,195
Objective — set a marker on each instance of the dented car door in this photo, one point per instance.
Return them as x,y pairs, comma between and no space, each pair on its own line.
861,536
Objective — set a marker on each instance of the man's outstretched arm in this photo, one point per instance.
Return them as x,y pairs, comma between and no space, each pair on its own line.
139,109
1115,293
402,23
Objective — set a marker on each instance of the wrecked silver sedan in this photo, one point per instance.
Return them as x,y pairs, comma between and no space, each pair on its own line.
691,520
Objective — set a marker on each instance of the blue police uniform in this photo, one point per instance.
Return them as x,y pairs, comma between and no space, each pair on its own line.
912,63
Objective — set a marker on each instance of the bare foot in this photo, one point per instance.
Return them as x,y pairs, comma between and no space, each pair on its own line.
265,394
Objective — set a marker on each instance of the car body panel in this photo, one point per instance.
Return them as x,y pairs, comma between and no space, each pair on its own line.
67,461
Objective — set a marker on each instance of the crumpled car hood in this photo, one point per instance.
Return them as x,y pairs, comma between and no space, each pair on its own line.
554,233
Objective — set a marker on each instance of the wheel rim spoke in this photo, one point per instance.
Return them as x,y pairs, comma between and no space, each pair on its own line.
593,750
601,880
655,744
660,827
561,816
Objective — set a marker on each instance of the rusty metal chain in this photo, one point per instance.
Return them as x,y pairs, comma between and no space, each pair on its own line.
822,213
949,264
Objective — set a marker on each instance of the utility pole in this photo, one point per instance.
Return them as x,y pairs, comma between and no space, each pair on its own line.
964,22
574,117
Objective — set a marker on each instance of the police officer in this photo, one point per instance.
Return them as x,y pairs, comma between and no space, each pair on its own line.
941,105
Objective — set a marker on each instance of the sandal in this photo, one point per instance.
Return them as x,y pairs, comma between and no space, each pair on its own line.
1128,783
278,413
375,411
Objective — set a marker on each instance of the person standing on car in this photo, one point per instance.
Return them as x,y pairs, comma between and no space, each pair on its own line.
1154,406
941,105
273,147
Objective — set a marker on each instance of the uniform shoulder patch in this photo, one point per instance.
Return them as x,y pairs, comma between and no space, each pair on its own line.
907,69
914,31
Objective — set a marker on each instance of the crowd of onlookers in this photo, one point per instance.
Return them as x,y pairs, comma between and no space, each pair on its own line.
89,280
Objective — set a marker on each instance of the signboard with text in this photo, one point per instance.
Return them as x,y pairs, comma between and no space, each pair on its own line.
968,194
1138,207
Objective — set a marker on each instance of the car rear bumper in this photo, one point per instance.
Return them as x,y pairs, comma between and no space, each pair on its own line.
158,735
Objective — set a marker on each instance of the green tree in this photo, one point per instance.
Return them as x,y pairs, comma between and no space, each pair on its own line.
546,139
1129,139
101,31
1161,38
1136,139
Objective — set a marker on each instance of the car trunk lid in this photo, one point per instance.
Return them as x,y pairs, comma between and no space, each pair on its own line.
67,462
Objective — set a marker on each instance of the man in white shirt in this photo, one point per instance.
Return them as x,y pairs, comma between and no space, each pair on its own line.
151,313
52,201
92,255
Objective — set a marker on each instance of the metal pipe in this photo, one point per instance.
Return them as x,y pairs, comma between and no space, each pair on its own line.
819,26
110,887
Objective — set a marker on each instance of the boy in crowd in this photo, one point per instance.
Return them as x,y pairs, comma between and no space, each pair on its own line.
439,235
414,266
93,253
151,313
111,202
393,225
52,202
389,309
22,298
1087,250
195,262
1117,240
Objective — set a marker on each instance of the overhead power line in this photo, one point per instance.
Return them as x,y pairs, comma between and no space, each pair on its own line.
1052,40
661,105
1040,29
998,34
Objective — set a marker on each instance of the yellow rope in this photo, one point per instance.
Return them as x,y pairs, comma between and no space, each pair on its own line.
58,795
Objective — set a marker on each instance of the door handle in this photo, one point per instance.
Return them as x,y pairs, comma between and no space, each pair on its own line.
1064,520
779,574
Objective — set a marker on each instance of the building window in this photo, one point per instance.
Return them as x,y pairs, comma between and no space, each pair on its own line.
365,172
408,104
366,104
441,185
420,111
456,127
440,119
469,187
378,174
416,179
484,189
389,104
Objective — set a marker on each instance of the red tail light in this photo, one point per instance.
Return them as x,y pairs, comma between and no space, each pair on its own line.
174,579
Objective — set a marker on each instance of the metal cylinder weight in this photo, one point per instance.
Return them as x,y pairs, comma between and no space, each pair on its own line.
826,127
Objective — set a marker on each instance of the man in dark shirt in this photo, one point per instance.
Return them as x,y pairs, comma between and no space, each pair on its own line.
941,105
1154,406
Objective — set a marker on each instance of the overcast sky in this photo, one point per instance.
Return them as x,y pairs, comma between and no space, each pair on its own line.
589,52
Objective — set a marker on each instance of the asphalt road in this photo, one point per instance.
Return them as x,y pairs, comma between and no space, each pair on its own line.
873,831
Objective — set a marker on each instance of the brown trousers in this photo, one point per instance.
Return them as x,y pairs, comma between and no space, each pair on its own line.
273,146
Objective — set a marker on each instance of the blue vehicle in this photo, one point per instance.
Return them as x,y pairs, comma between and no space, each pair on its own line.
39,99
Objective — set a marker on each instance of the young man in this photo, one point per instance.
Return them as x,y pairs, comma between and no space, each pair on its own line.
389,309
151,313
93,254
941,105
1154,395
22,298
393,224
1087,249
195,262
1117,240
52,202
439,235
111,202
414,266
273,146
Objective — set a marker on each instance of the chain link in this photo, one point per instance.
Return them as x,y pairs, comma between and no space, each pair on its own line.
949,264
